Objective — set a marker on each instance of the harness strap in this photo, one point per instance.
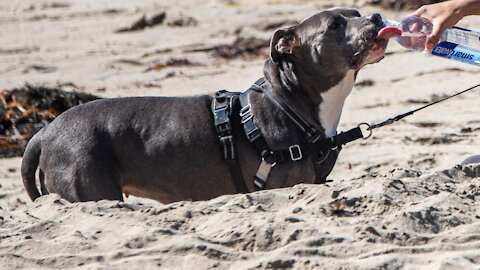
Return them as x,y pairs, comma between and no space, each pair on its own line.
223,105
309,131
295,152
298,151
255,137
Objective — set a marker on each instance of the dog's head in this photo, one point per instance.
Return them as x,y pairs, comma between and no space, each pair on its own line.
333,40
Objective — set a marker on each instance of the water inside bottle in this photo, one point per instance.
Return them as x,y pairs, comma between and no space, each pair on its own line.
415,31
413,41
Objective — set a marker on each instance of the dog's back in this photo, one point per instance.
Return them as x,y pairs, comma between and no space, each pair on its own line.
137,145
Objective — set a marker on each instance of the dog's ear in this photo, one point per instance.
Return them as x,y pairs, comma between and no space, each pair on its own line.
283,41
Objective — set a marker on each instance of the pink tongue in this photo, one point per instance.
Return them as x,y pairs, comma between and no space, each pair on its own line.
389,32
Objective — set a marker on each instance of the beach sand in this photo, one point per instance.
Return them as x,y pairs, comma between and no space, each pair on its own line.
397,200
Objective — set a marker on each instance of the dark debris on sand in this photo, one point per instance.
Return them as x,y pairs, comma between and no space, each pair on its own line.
24,111
158,19
172,62
273,25
182,21
402,4
240,47
144,22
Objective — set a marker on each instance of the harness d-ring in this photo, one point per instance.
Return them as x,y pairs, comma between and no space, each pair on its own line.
367,128
335,147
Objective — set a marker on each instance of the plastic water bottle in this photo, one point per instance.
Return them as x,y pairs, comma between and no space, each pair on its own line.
456,43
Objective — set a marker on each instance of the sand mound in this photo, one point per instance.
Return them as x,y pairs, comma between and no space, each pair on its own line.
395,220
420,218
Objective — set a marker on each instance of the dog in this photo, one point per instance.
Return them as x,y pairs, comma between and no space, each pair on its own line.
169,151
471,160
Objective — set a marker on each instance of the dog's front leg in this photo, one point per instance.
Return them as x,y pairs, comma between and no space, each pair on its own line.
291,173
324,165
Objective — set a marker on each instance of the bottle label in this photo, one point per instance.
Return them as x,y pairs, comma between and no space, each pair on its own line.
454,51
463,37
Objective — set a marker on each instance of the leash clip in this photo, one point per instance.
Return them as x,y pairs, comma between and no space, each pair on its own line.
366,128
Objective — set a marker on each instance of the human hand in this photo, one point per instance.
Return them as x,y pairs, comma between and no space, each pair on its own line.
443,16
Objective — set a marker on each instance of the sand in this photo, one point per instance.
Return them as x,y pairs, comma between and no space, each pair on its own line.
396,201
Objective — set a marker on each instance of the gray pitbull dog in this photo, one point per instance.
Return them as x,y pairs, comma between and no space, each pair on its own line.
169,151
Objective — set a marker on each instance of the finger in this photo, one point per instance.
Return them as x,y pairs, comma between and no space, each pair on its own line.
415,27
431,43
434,37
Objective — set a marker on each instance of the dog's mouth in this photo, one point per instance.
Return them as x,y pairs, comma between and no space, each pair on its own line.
376,50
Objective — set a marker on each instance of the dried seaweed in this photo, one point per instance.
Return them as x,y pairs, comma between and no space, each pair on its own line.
433,98
240,47
26,110
144,22
183,21
398,5
272,25
365,83
172,62
436,140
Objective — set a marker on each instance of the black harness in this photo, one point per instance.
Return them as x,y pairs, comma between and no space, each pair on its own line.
227,106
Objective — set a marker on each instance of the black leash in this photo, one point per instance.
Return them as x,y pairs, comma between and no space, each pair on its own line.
401,116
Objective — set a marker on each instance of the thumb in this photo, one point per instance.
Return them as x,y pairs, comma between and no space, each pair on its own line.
422,11
419,12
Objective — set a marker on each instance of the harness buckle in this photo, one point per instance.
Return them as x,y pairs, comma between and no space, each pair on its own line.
251,129
295,152
225,127
226,139
245,110
228,148
246,119
221,115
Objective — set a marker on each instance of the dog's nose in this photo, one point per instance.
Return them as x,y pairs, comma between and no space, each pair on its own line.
376,19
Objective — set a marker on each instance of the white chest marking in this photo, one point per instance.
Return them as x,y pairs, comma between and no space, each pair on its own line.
333,100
